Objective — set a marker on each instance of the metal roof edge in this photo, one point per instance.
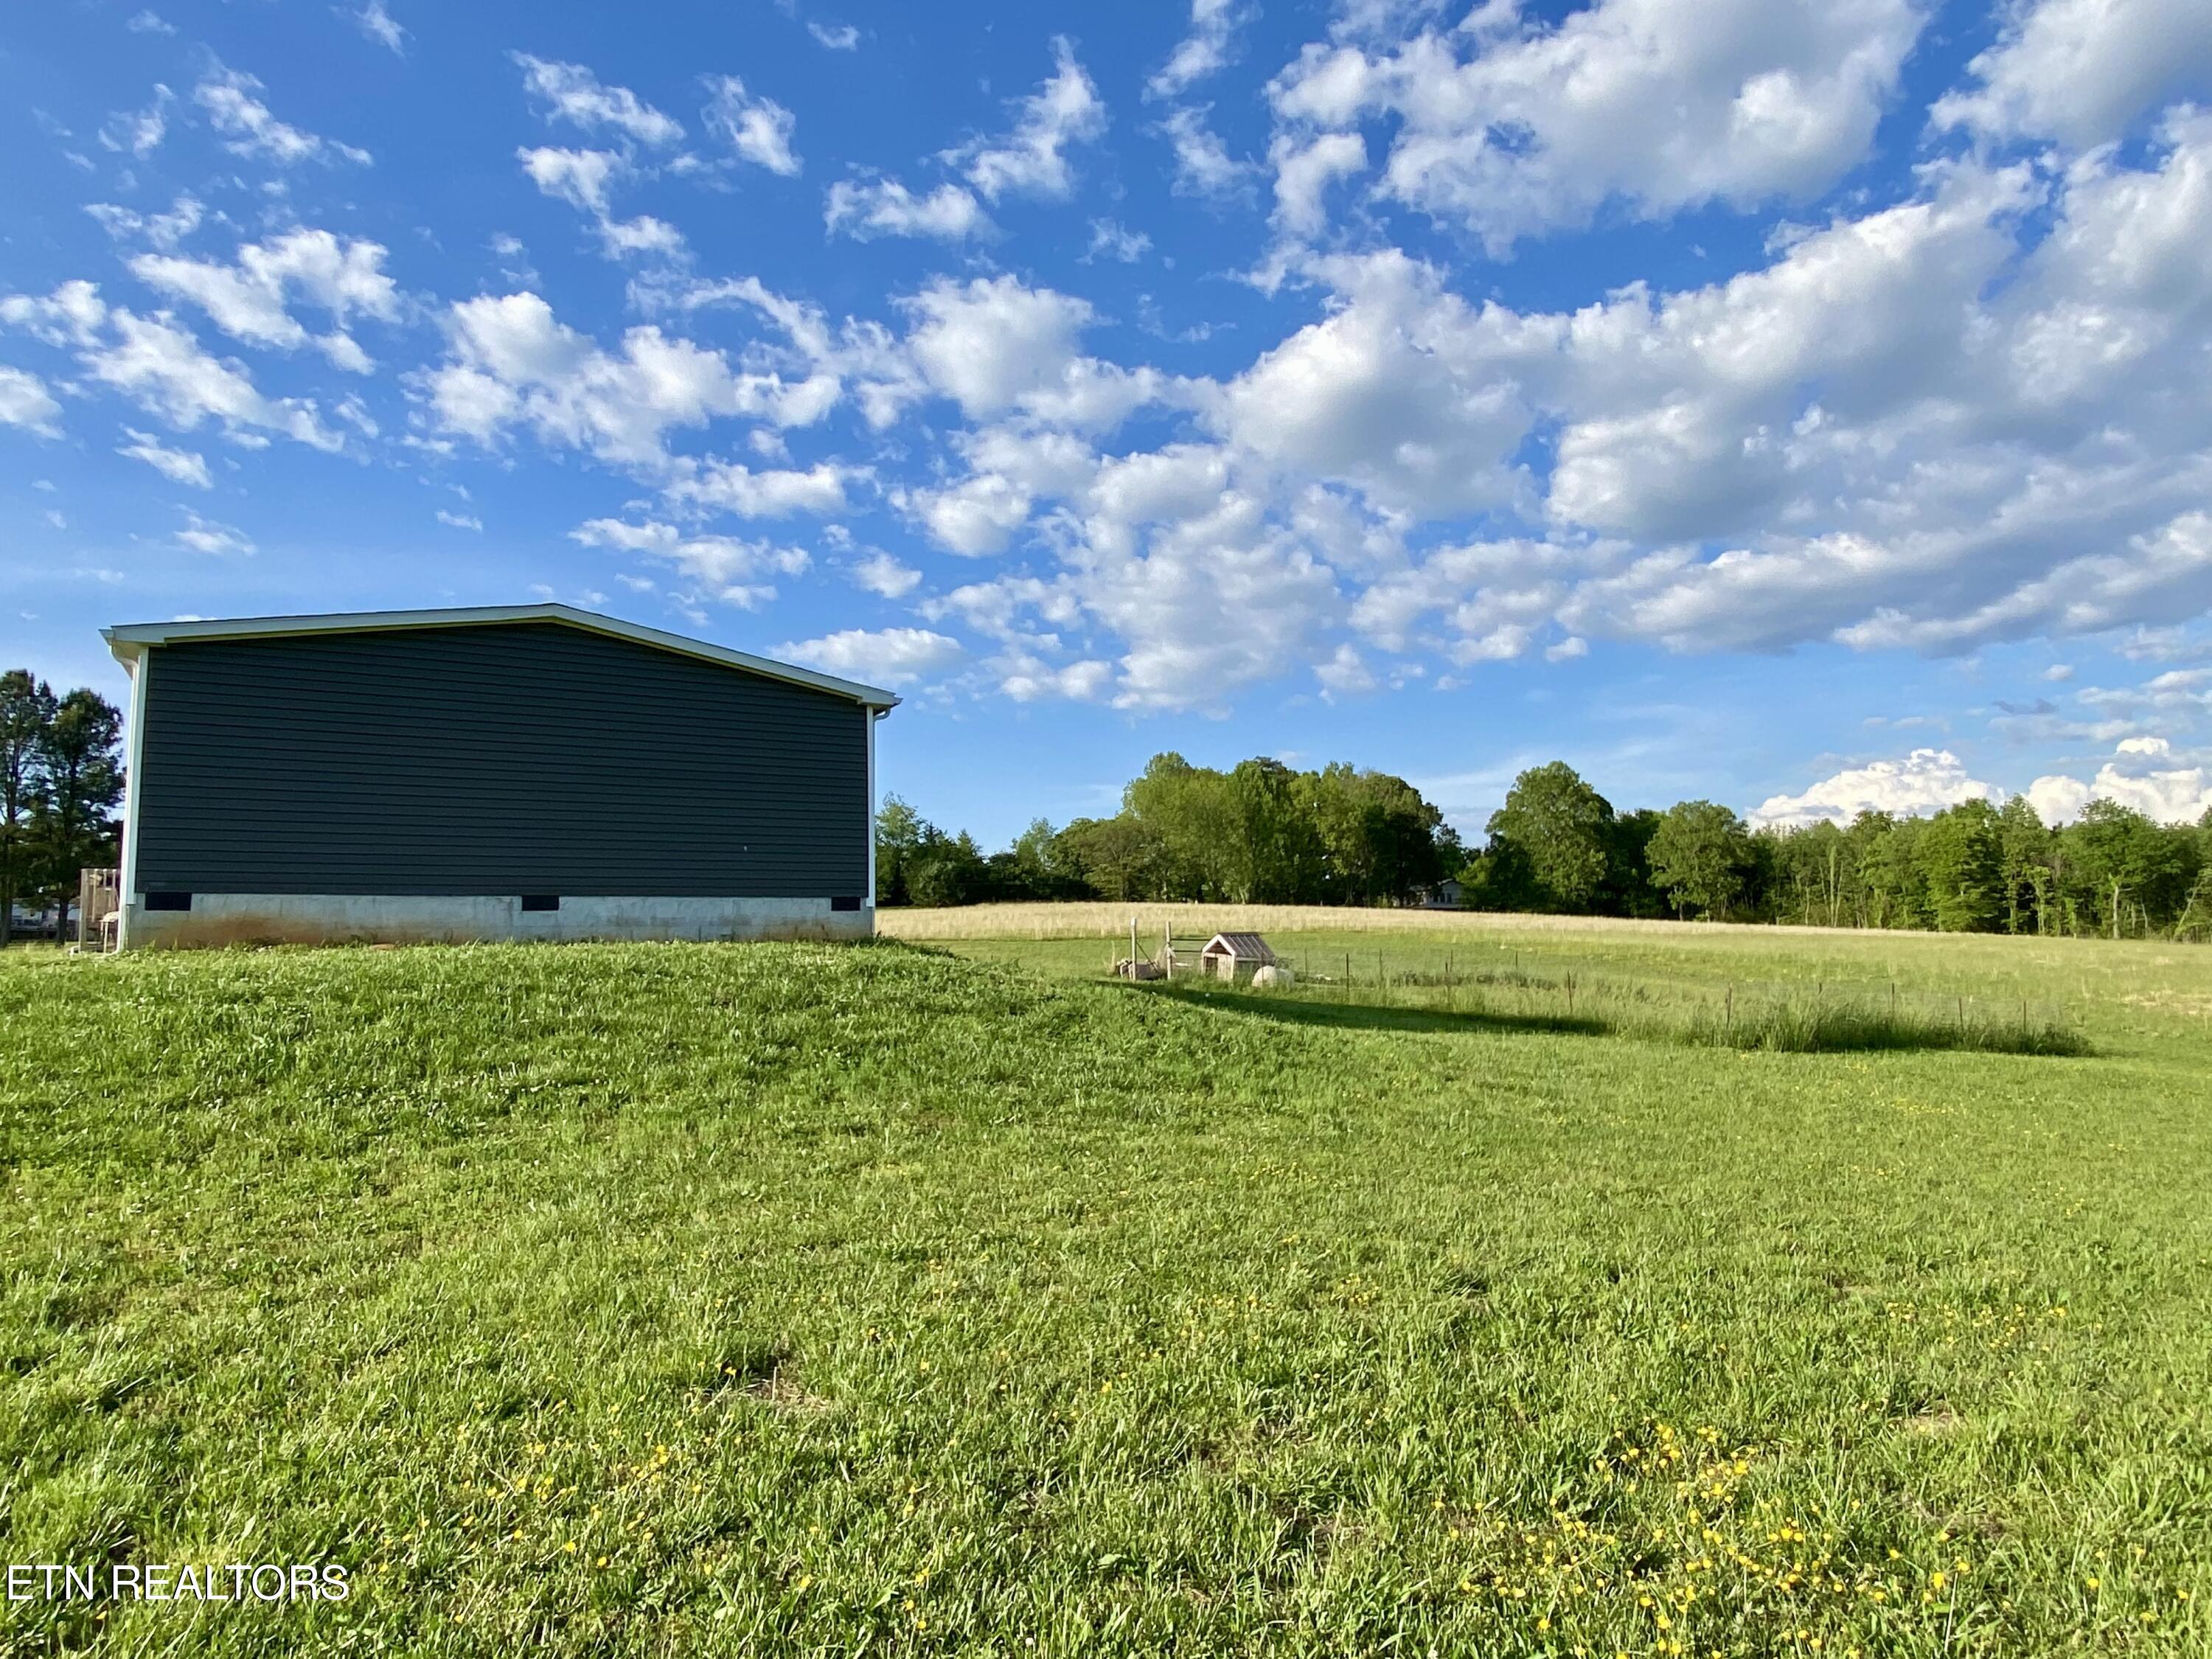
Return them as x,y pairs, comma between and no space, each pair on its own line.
128,640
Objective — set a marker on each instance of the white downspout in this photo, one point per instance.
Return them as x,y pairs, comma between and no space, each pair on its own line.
869,898
126,895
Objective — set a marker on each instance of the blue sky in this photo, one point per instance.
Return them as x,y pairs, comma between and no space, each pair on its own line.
1796,403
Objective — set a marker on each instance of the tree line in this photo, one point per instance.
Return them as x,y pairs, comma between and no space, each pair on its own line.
1263,832
1978,866
1259,833
61,778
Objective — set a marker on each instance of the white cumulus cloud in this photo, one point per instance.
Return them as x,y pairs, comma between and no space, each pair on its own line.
183,466
206,536
231,100
1515,127
158,363
512,362
248,299
161,230
2146,773
884,656
728,487
865,209
1032,159
885,576
1203,165
1204,52
758,129
25,402
1925,781
721,568
141,132
2082,70
572,92
375,20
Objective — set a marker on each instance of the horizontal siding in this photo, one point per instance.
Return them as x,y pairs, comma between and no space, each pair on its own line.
507,758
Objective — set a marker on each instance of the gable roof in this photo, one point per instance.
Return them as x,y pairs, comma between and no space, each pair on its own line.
1243,947
129,639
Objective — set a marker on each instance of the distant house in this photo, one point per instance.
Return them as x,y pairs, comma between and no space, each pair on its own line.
523,772
1446,895
1233,957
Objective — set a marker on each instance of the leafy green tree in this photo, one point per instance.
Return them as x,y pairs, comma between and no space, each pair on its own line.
1628,889
1497,876
2195,921
1033,859
1894,888
80,761
1815,878
1961,853
945,870
1117,858
1562,827
27,709
900,832
1040,865
2024,868
1700,856
1275,855
1382,843
1195,823
2129,861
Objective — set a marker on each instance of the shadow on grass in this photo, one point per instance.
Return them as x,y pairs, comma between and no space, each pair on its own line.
1368,1017
1786,1029
1828,1028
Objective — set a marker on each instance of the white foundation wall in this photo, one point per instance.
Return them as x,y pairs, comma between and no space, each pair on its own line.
218,918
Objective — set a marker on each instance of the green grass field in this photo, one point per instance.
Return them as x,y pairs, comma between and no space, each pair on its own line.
879,1299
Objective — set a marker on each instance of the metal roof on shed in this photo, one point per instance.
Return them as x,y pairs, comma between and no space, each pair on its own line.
1241,947
128,640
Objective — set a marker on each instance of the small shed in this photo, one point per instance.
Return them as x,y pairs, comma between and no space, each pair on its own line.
1235,957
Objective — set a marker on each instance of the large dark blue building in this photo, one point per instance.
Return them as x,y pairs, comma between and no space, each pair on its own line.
495,772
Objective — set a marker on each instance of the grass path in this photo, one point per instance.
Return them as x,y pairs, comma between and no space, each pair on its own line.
804,1299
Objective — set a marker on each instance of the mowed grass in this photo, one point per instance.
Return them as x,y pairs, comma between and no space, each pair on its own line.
790,1298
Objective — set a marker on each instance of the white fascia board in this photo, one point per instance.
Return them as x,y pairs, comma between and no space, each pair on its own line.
128,640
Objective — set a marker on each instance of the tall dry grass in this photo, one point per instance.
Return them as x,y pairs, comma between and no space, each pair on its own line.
1105,920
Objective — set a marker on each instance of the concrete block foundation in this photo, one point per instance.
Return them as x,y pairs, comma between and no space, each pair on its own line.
219,919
